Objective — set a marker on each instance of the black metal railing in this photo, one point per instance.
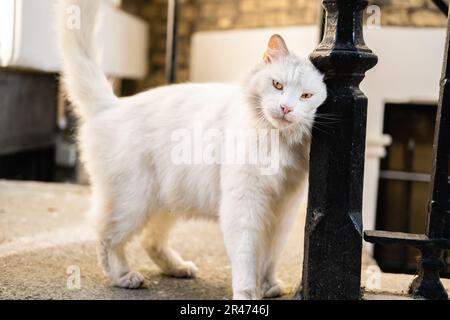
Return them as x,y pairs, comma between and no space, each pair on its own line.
333,231
442,5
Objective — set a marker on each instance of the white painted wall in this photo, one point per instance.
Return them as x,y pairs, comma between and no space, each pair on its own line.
226,56
408,70
410,62
28,39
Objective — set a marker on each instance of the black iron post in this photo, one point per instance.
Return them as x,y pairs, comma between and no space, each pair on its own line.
172,40
442,5
333,231
427,284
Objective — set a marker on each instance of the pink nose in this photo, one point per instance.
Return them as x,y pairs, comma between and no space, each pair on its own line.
286,109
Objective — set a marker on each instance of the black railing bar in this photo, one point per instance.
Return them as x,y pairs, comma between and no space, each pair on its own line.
334,215
438,225
408,239
442,5
322,20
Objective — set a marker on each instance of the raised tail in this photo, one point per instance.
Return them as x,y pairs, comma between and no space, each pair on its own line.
86,85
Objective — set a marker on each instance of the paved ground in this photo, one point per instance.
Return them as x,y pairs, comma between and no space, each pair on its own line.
43,234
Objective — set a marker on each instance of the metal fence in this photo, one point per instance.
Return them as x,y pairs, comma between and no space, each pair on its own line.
333,237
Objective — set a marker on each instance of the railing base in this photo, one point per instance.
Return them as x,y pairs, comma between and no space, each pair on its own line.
428,284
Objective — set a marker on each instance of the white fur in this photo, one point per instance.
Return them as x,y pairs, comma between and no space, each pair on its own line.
126,147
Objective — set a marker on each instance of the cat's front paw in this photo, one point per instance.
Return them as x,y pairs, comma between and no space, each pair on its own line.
273,289
246,295
187,269
131,280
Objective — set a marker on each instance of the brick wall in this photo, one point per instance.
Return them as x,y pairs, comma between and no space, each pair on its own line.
155,12
205,15
418,13
236,14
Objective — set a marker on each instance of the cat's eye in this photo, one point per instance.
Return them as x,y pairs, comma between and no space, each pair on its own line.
277,85
306,96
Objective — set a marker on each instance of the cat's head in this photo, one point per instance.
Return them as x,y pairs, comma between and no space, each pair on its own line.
285,90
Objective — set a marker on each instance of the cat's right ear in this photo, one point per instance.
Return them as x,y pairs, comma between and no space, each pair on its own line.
275,49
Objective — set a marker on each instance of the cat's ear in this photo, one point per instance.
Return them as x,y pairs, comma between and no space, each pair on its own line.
275,49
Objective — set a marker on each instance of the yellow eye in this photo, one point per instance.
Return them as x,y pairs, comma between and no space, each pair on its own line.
277,85
306,96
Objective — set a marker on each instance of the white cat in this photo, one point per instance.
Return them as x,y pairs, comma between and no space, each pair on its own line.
127,147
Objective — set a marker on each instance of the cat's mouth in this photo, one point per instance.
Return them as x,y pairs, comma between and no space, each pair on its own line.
278,121
282,121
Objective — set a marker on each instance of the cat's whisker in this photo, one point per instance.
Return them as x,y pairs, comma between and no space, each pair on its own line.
329,117
321,130
319,116
327,122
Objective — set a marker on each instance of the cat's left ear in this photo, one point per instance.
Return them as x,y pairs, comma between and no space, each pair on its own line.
275,49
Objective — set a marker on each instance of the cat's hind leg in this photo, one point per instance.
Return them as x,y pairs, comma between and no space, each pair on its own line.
119,220
113,260
155,240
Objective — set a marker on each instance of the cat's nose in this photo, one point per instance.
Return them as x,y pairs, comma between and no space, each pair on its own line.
286,109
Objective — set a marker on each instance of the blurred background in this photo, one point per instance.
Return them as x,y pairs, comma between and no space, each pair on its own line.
219,40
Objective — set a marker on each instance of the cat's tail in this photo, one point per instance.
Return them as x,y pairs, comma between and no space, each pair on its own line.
86,85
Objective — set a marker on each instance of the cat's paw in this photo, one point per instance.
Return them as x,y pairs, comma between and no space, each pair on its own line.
187,269
245,295
273,289
131,280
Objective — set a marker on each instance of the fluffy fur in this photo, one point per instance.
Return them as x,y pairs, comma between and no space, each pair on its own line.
136,189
